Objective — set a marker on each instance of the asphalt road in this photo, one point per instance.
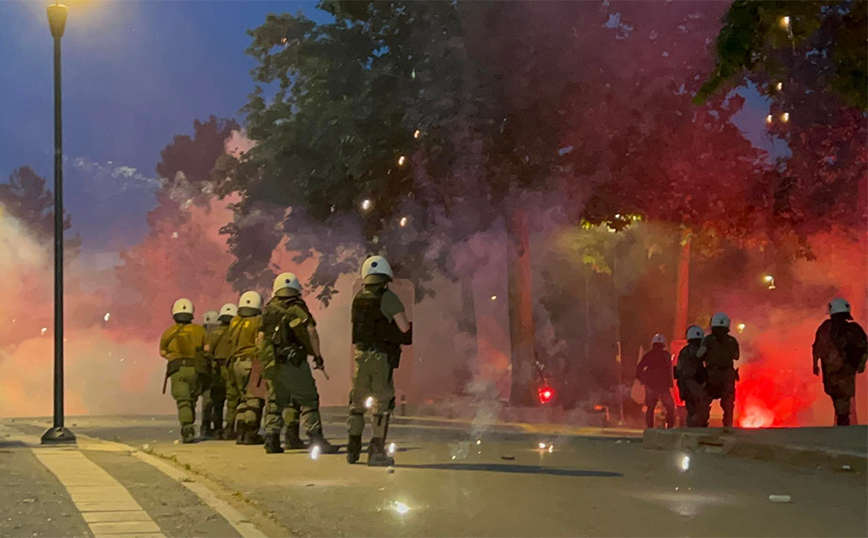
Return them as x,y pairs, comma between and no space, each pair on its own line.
452,483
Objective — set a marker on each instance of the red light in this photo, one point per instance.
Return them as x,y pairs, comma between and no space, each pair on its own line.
545,394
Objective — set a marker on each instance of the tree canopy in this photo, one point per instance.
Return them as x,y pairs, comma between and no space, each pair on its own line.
769,40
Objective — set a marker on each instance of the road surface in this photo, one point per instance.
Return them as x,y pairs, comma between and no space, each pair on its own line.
454,483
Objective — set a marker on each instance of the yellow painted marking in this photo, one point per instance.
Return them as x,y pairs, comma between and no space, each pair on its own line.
125,515
106,506
123,527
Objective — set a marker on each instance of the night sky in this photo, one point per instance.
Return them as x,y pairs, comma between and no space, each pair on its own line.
135,75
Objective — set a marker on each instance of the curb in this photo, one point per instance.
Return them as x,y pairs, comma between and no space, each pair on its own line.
506,427
797,455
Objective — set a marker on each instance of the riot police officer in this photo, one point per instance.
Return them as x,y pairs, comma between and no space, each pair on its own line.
841,349
719,353
380,327
690,376
243,333
183,345
289,336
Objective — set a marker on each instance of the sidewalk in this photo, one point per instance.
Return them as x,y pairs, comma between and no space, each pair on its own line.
105,490
843,448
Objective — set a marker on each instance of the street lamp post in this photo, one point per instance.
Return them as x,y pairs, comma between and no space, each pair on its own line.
57,433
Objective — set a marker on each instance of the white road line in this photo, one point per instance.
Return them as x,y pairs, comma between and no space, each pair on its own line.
96,494
235,518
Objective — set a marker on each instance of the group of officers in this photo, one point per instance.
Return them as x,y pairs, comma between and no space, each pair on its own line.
705,369
251,358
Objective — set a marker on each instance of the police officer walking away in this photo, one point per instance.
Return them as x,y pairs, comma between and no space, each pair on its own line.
841,349
243,332
183,345
221,350
380,327
208,380
289,336
719,352
655,372
690,375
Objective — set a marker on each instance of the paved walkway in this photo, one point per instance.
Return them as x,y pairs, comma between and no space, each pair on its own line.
108,489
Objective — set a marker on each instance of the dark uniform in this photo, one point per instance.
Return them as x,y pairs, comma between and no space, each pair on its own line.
284,350
183,346
719,352
220,354
377,341
841,347
691,376
655,372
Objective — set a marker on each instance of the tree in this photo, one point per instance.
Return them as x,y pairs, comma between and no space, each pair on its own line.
183,254
809,58
354,101
767,40
25,197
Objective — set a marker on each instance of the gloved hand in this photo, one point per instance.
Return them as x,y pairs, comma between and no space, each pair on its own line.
318,363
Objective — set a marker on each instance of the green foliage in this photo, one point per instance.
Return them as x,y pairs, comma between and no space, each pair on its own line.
767,38
25,197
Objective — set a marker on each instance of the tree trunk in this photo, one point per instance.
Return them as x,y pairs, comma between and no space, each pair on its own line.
682,290
467,322
521,325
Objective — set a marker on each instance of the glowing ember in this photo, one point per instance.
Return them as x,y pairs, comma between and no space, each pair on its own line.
369,403
545,394
755,416
314,452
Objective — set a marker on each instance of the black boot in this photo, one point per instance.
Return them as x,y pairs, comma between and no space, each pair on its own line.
240,433
293,440
272,444
229,433
206,431
354,448
842,420
252,437
317,438
377,456
188,433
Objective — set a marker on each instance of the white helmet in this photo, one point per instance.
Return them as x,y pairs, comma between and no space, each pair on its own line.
658,339
284,284
210,318
183,306
250,299
376,265
839,306
694,332
228,309
720,320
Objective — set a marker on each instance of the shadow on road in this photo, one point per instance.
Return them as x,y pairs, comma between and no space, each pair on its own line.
8,444
518,469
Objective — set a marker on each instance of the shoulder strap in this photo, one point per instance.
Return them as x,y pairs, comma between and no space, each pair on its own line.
173,336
